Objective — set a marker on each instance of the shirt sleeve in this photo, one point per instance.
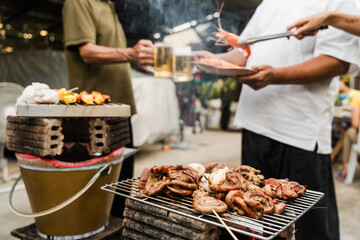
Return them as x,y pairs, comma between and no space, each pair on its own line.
79,24
337,43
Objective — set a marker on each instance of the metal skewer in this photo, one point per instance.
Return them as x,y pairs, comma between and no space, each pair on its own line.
73,89
226,227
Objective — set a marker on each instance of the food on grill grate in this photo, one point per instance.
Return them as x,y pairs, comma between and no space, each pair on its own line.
204,203
229,201
179,180
184,173
151,184
279,206
253,199
203,182
255,211
198,167
250,174
243,188
181,188
69,97
283,188
211,167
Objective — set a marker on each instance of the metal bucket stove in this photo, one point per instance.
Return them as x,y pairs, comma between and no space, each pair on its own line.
65,154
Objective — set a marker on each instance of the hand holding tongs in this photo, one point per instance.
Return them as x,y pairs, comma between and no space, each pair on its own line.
249,41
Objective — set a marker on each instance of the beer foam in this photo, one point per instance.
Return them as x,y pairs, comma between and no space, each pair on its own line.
162,44
183,51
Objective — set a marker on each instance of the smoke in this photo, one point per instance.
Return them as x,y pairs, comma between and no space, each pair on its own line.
150,16
144,18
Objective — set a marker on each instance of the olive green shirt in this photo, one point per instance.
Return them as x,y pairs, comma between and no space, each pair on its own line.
96,22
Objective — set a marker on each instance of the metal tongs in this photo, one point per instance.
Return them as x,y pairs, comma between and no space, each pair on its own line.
252,40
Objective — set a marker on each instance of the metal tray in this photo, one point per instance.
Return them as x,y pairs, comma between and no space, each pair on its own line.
269,227
73,110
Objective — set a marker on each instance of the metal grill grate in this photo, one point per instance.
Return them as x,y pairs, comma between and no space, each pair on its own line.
266,228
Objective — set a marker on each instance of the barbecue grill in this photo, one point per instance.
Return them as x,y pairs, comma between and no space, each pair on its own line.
269,227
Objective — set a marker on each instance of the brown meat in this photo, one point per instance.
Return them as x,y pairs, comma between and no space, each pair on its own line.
190,186
211,167
253,199
279,207
199,193
220,195
151,185
206,204
229,201
184,173
255,212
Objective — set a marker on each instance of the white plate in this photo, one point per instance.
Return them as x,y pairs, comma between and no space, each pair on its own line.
224,71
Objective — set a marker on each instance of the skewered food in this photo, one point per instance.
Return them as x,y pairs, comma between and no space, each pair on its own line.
69,97
205,204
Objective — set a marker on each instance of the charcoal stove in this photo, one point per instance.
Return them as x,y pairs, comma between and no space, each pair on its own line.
42,129
269,227
65,154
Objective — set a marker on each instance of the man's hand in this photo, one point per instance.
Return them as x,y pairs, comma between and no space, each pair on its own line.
265,75
142,54
304,26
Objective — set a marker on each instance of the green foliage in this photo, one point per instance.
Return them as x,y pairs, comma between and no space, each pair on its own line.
225,89
228,92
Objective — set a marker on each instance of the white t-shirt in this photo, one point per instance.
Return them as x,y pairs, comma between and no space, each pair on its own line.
297,115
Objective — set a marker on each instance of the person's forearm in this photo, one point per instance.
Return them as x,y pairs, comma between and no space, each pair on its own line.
95,54
348,23
315,70
234,56
355,117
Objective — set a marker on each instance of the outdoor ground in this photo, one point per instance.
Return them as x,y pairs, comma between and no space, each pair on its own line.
224,147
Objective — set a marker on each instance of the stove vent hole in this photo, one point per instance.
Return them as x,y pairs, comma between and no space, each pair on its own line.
100,144
54,137
55,128
53,146
98,127
99,135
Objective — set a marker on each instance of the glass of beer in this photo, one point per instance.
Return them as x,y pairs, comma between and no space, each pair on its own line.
182,67
163,60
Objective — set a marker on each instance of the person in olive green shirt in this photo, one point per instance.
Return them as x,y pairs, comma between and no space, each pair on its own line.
98,59
96,52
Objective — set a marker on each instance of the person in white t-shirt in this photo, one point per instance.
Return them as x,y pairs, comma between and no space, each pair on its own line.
285,109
